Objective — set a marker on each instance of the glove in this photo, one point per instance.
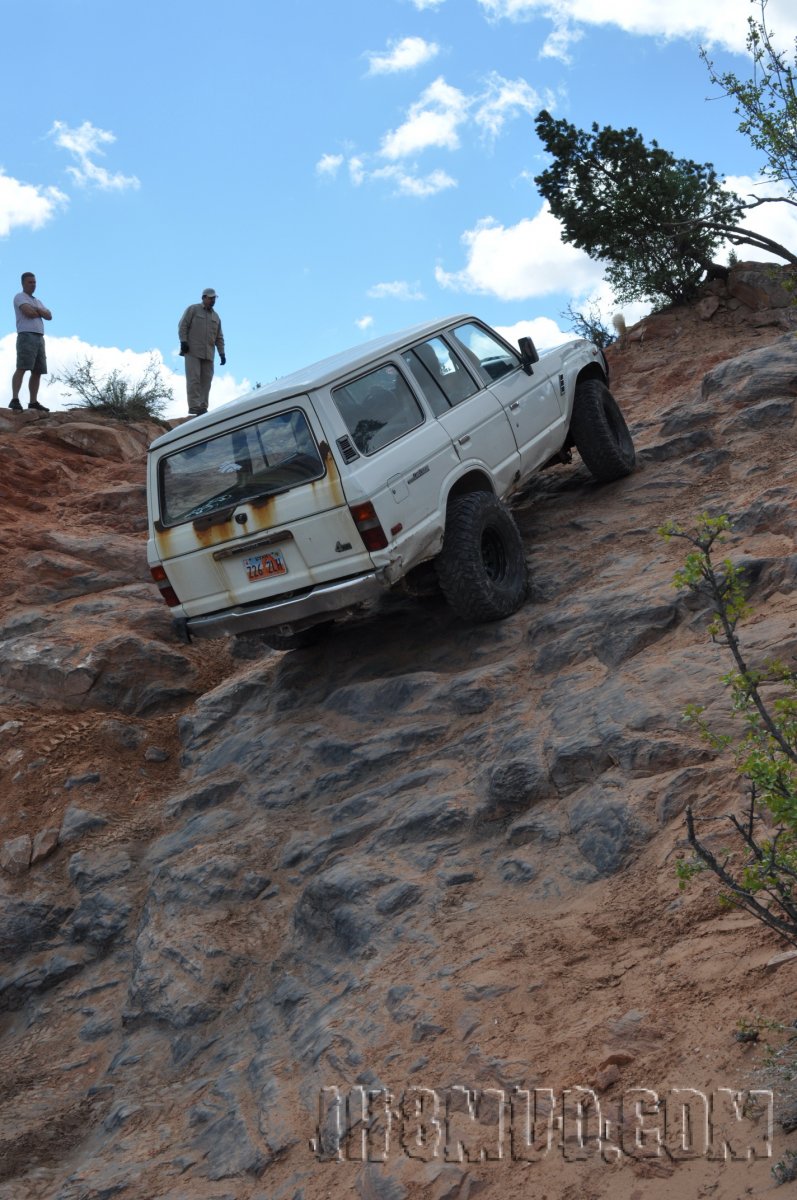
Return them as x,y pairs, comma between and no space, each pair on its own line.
223,359
184,347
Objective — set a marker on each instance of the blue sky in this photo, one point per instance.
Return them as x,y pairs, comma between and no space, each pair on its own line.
335,171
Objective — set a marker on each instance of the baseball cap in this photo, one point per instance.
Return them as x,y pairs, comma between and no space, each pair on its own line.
209,292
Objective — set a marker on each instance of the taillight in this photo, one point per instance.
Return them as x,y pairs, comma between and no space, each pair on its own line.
167,591
368,526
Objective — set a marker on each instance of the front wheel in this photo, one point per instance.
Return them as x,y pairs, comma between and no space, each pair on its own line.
482,565
600,433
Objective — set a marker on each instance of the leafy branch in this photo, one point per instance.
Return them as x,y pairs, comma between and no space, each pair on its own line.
760,873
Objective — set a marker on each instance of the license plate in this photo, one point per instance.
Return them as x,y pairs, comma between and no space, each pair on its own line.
260,566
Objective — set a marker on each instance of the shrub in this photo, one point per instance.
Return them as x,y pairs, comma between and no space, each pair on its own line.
143,399
758,871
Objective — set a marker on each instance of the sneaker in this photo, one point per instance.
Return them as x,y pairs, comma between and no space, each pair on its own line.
15,404
38,407
197,412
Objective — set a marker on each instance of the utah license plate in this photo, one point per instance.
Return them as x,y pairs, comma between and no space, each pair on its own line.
260,566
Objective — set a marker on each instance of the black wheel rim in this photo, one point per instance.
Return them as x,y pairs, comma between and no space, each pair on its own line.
494,555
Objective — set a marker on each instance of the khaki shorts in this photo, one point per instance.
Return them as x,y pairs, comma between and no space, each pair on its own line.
30,353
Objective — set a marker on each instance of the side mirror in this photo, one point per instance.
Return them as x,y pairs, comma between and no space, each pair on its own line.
528,354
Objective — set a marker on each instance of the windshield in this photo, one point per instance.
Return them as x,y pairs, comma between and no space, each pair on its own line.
273,455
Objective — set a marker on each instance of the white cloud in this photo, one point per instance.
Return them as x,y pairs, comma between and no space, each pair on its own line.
557,44
84,144
433,120
522,261
544,332
415,185
63,353
328,164
402,55
716,22
364,323
26,205
356,171
503,99
422,4
776,221
399,289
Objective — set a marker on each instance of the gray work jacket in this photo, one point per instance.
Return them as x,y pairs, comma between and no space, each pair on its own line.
201,328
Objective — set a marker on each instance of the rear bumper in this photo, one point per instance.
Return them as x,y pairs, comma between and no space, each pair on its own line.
318,605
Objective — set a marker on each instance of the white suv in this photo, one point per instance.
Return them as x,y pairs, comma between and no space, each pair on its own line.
389,463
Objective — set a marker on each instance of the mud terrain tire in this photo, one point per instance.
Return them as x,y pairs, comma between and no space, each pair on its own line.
600,432
482,565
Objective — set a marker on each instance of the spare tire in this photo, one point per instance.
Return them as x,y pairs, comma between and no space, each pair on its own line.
600,433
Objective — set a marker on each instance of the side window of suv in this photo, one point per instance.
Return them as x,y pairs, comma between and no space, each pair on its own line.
490,357
440,375
377,409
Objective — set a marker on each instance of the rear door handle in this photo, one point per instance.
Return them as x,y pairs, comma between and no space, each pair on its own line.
514,405
464,441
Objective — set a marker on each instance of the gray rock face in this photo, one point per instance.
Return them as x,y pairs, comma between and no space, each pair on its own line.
78,821
15,854
754,377
357,841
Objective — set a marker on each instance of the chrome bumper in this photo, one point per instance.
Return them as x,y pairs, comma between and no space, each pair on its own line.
318,605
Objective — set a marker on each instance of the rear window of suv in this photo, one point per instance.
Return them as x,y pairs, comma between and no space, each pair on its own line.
269,456
378,408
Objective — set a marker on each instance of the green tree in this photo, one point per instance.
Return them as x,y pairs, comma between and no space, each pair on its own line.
655,220
766,103
758,870
142,399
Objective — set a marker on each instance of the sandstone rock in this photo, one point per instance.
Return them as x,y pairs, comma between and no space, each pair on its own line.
606,1076
336,907
37,669
80,781
77,822
117,443
757,375
44,844
515,786
758,285
426,818
517,870
181,972
39,972
101,917
604,832
89,869
15,854
398,898
30,924
706,308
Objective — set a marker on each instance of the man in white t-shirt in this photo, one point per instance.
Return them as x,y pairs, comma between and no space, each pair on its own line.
30,314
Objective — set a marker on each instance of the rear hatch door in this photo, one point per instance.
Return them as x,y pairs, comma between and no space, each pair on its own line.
253,511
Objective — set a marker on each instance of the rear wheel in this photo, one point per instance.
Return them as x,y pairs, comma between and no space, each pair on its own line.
482,565
600,432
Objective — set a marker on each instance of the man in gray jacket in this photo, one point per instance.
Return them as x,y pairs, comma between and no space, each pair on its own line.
200,335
